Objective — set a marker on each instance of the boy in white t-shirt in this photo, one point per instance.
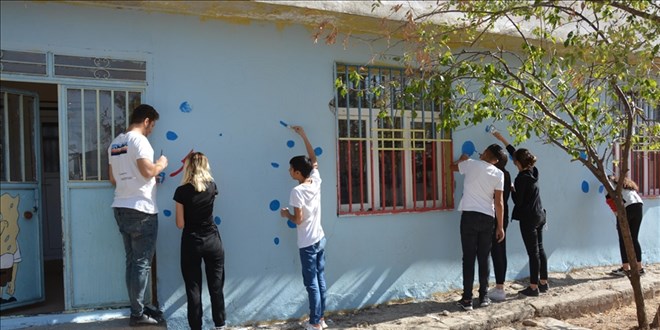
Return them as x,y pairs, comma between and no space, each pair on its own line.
305,198
482,212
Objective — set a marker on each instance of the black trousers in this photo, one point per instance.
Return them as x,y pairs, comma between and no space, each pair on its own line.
498,255
476,239
194,249
532,235
634,214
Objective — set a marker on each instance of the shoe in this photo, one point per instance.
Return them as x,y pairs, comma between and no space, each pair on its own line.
311,327
641,272
543,288
143,319
323,324
484,302
529,292
154,313
465,304
620,272
224,327
497,294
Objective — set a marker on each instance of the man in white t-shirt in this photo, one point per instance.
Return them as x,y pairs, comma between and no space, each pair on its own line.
482,209
133,171
305,198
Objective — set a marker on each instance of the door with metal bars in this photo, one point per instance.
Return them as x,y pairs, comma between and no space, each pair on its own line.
94,251
21,256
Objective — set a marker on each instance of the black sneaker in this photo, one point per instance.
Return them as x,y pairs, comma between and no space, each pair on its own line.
529,292
619,272
484,301
641,272
143,319
543,288
465,304
154,313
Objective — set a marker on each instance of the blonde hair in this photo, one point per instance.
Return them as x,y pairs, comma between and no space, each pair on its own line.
197,171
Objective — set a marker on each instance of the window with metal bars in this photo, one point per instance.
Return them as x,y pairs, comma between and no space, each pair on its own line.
391,157
94,118
644,164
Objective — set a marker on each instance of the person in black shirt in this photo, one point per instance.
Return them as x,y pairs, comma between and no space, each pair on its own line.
529,211
200,240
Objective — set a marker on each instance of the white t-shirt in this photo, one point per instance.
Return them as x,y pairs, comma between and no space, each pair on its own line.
133,191
481,181
630,197
307,196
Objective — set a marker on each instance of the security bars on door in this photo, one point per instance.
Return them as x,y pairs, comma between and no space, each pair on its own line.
16,137
94,118
391,157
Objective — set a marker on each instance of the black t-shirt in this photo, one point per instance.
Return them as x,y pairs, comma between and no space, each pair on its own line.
197,206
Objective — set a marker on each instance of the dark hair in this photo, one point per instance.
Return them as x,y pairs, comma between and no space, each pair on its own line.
525,158
302,164
497,152
142,112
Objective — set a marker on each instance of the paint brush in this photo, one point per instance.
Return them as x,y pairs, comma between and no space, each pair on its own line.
285,124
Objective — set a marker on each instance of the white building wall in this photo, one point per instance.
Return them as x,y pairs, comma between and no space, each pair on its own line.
241,80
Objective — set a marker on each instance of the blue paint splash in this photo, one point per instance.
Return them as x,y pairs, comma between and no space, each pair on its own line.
290,143
318,151
220,134
167,213
217,220
468,148
185,107
583,155
171,136
276,240
290,224
274,205
275,165
601,189
585,186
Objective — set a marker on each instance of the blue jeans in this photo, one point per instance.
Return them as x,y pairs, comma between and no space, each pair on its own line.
476,240
312,259
139,231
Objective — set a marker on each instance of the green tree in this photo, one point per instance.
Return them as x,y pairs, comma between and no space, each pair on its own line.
578,76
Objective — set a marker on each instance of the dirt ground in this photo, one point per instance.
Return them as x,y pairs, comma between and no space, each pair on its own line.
624,318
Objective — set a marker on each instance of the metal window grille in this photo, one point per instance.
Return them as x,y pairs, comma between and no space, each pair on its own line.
17,144
99,68
94,118
644,164
393,163
23,62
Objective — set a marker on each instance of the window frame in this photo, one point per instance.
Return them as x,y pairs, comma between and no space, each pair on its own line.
372,199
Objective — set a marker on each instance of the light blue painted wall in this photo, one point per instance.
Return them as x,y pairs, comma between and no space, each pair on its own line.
240,81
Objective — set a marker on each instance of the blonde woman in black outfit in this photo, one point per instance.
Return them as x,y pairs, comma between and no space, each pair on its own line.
200,240
529,211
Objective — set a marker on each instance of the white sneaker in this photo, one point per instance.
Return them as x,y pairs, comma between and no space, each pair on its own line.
497,294
323,324
311,327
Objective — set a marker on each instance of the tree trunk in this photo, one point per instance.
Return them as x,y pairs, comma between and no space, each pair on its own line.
656,319
634,269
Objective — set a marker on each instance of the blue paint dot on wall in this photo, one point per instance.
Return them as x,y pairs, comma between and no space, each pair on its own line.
585,186
468,148
220,134
601,189
185,107
290,224
318,151
276,240
274,205
167,213
275,165
583,155
290,143
171,136
217,220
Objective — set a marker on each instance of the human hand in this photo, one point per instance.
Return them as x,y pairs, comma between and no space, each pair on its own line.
499,234
463,157
162,160
284,212
10,288
298,129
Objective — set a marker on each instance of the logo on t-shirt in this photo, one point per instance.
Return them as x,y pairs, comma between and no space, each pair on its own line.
119,149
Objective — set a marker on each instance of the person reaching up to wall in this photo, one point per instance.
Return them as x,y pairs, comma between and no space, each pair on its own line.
305,198
634,212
